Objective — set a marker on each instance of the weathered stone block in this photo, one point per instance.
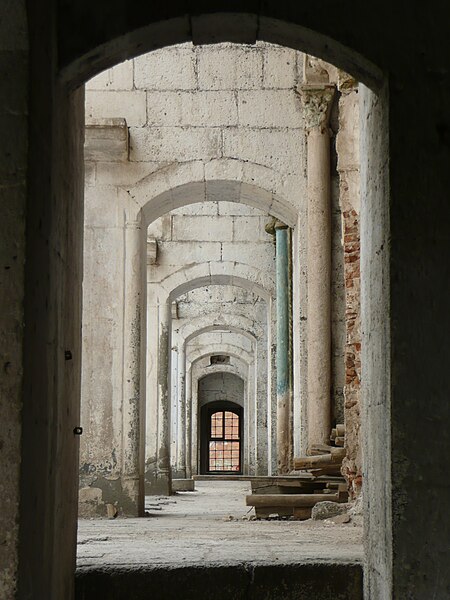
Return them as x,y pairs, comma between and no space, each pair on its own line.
280,67
106,140
202,228
281,150
183,485
224,168
174,143
197,109
249,229
269,108
101,207
175,253
228,68
168,69
120,77
199,208
130,106
260,254
327,510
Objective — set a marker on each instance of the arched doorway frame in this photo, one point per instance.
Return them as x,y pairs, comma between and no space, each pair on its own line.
206,412
78,63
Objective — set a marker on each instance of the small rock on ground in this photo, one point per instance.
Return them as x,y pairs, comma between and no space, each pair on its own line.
327,510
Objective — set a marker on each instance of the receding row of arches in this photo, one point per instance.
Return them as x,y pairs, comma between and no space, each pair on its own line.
219,269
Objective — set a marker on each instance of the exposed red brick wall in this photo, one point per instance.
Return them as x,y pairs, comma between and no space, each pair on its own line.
352,468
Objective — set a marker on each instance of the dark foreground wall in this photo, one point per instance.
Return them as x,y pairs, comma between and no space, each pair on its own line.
246,582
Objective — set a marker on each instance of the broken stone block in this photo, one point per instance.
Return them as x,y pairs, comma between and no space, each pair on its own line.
111,511
327,510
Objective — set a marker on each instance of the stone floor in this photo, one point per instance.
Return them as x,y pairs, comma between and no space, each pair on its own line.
211,526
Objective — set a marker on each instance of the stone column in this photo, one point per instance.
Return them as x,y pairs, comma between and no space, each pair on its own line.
195,454
163,472
317,101
271,387
188,437
173,394
157,468
261,442
181,433
284,426
250,441
132,470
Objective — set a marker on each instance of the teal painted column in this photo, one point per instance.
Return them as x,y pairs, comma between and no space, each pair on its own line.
283,362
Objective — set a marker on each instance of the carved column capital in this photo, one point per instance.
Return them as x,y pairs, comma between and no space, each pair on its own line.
317,100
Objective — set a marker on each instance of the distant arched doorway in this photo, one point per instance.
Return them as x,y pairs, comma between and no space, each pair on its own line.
221,438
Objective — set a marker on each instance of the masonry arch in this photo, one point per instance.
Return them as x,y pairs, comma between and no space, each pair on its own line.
184,183
222,333
201,366
214,273
209,350
298,28
216,322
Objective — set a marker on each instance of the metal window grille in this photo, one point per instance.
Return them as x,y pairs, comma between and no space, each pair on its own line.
224,442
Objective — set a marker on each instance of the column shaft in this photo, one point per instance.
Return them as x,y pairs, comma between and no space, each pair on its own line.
317,104
158,471
283,349
181,433
132,469
163,467
188,438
